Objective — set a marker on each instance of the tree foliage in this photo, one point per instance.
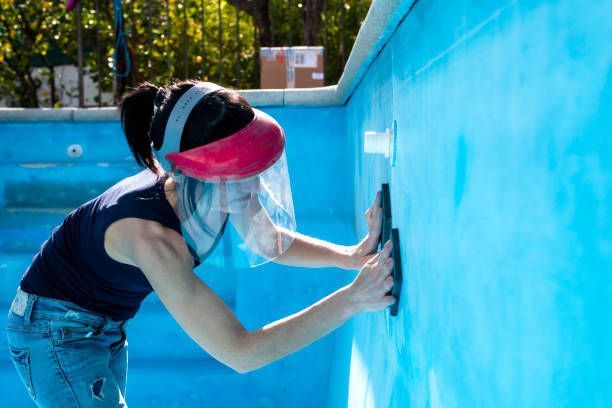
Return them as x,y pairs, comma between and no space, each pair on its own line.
216,40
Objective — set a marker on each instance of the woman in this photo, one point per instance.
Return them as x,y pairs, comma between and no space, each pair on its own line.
218,194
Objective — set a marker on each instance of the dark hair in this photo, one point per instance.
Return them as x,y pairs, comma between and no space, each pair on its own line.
146,109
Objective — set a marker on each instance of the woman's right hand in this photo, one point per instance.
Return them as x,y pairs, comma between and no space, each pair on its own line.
368,290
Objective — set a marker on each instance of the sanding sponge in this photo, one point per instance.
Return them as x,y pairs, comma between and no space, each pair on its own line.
389,233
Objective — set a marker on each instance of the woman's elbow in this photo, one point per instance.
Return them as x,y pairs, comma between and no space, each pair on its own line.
252,354
242,359
241,369
241,365
246,361
247,367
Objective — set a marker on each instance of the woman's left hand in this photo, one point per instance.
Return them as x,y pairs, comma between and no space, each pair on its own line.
362,252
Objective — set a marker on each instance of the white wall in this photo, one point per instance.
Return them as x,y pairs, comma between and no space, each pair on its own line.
66,85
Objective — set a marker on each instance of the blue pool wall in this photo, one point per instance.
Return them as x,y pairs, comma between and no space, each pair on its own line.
40,183
502,192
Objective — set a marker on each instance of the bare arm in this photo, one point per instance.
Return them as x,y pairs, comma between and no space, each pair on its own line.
285,336
163,257
310,252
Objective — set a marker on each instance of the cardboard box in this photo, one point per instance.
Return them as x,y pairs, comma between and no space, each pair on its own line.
291,67
273,68
308,67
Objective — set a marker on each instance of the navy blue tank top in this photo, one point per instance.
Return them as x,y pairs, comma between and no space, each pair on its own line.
73,265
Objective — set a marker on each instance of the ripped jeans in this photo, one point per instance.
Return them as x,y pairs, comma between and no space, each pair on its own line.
65,355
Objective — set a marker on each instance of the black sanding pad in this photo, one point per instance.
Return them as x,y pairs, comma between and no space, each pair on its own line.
392,234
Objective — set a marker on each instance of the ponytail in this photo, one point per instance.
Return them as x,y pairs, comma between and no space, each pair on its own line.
145,111
137,110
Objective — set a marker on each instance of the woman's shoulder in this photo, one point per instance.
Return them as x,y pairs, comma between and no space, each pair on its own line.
139,196
127,235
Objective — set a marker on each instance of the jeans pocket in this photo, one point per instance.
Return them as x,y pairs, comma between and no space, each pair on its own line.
21,360
66,333
120,344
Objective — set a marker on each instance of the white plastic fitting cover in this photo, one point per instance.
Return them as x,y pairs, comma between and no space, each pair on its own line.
378,142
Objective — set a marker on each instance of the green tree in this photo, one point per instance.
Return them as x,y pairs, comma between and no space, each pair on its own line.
215,40
31,33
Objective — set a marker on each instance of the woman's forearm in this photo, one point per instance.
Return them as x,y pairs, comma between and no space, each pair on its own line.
310,252
292,333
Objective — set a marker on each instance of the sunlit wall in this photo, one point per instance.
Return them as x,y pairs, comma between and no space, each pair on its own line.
502,191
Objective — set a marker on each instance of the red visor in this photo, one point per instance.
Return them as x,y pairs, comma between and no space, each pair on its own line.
241,155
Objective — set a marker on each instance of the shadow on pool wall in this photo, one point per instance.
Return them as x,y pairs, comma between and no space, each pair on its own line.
502,191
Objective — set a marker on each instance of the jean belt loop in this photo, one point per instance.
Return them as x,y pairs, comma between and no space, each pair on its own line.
28,312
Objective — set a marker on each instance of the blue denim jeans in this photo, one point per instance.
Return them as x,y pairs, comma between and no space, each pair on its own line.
65,355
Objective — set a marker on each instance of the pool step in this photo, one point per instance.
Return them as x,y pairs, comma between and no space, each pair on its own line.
58,185
153,333
204,383
12,267
201,383
14,264
25,229
36,142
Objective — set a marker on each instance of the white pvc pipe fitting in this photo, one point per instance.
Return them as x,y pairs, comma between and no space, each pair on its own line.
378,143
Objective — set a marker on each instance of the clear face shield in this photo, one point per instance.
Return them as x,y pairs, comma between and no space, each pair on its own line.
237,224
233,195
